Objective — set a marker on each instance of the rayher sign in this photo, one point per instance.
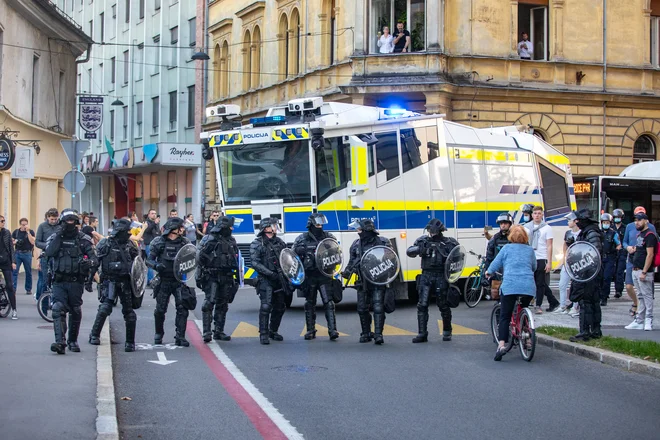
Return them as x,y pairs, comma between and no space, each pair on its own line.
181,154
7,153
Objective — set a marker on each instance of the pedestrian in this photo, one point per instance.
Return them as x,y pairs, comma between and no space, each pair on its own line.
45,230
91,230
611,248
73,257
24,239
540,237
150,233
564,280
162,253
316,283
643,263
191,229
588,294
622,255
8,264
434,249
210,222
116,255
218,276
517,262
630,243
271,286
526,210
173,213
368,294
495,245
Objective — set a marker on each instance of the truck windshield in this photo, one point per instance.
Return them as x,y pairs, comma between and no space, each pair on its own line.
270,171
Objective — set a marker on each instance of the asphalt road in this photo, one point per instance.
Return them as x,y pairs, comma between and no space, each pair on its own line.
343,389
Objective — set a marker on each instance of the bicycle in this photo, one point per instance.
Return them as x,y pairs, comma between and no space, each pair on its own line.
5,305
474,287
45,305
521,329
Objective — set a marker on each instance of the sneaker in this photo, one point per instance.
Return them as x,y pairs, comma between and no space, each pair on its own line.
648,324
635,326
564,310
574,313
35,298
538,310
28,292
14,315
553,309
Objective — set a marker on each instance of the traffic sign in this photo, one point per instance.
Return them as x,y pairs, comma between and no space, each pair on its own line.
74,181
75,150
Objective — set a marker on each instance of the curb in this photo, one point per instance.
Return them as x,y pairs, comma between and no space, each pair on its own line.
606,357
106,421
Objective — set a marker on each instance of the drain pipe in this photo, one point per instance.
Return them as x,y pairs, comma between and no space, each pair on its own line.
604,79
89,53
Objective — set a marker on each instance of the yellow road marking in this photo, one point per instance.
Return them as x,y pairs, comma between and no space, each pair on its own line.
390,330
245,330
460,330
321,331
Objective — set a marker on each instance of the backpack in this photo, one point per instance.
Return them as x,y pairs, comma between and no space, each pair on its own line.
656,257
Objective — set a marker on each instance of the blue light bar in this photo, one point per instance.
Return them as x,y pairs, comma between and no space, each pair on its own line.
268,120
394,112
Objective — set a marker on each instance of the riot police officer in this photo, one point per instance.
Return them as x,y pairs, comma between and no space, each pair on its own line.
72,256
622,255
116,254
217,255
495,245
367,293
315,282
588,294
162,252
611,248
272,288
434,249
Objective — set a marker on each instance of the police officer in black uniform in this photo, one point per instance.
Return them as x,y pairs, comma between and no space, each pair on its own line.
72,258
315,282
611,248
116,254
588,294
217,255
434,249
367,293
622,255
272,288
500,239
162,251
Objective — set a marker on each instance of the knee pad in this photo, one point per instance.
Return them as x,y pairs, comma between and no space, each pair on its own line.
330,305
422,307
76,312
105,309
224,307
159,314
130,317
59,309
378,308
265,308
207,307
182,311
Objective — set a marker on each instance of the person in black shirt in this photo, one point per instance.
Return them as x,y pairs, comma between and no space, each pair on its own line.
7,263
24,239
152,231
642,262
401,39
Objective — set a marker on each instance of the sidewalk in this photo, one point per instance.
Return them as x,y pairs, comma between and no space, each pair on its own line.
45,395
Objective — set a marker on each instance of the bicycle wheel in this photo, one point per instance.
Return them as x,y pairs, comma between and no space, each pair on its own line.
527,342
495,322
473,290
44,307
5,306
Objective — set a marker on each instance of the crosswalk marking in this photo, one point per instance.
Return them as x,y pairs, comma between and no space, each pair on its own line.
245,330
459,329
390,330
321,331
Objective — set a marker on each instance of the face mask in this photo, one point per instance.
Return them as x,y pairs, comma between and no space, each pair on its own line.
617,220
70,228
526,218
606,227
225,232
122,236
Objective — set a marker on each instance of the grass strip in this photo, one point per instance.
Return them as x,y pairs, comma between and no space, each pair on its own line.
646,350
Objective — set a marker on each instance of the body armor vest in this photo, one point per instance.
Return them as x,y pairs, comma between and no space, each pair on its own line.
219,254
117,263
68,257
609,247
435,261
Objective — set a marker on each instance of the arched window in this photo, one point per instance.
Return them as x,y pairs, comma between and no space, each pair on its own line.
294,46
539,134
328,30
644,149
224,70
256,57
247,61
217,72
283,35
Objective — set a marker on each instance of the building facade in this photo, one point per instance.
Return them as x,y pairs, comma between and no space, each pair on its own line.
146,153
589,86
38,50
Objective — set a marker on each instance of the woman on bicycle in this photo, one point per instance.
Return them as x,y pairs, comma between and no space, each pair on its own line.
517,264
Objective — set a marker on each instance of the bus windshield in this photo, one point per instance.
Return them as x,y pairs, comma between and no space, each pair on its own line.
269,171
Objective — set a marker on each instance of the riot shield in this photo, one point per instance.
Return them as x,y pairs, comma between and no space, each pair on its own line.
582,261
292,267
455,263
380,265
185,265
138,277
241,269
329,257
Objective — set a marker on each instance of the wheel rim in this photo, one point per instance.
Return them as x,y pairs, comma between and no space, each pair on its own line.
473,291
526,335
495,323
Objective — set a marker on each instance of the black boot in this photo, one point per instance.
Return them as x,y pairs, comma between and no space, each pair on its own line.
379,324
58,346
332,321
603,302
445,312
219,330
206,326
74,330
310,321
95,334
446,335
275,320
160,329
422,323
180,324
583,335
129,346
365,323
596,332
263,329
618,294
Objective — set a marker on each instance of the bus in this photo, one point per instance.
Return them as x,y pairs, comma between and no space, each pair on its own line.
396,167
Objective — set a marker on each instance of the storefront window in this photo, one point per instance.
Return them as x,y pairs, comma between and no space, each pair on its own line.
412,13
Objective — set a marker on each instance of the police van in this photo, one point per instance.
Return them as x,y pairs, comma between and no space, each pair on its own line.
396,167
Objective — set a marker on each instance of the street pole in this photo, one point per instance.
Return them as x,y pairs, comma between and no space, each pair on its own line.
73,175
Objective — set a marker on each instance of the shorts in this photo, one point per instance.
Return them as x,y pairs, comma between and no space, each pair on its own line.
629,270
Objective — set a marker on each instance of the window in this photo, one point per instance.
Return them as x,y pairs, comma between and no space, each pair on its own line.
333,167
294,45
113,70
138,119
555,192
79,83
112,125
174,39
655,41
328,30
113,23
90,29
418,146
283,55
102,22
141,9
128,11
412,13
192,30
155,114
156,54
125,67
173,109
62,98
191,106
125,122
387,156
113,8
35,89
247,61
533,20
256,58
644,149
138,67
156,5
89,81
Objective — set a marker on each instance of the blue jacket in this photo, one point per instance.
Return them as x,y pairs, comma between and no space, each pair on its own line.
630,236
519,264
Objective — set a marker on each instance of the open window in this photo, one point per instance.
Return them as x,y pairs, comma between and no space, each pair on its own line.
554,190
412,13
533,20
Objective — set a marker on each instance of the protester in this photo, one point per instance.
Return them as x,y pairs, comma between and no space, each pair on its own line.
45,230
173,213
629,243
642,273
540,237
24,239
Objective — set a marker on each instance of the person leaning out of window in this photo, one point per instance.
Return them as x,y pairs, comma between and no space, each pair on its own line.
385,41
401,39
517,263
525,47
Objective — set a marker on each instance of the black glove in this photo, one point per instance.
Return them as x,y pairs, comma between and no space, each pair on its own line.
85,264
160,267
347,274
88,286
271,275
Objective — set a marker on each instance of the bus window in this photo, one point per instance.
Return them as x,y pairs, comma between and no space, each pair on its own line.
387,155
333,167
418,146
555,192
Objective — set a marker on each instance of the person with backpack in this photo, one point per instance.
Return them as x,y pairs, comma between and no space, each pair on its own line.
645,258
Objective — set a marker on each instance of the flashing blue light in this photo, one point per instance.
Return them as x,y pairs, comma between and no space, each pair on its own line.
395,111
268,120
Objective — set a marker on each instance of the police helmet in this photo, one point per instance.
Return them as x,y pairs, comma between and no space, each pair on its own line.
317,219
505,217
435,226
269,222
527,208
172,224
606,217
571,216
69,214
365,225
121,225
226,222
586,215
618,213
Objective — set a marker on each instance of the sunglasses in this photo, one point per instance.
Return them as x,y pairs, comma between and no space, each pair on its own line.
2,221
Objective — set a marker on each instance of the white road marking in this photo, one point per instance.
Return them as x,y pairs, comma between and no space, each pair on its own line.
162,360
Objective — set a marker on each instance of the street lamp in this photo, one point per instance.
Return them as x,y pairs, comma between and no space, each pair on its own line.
118,102
200,56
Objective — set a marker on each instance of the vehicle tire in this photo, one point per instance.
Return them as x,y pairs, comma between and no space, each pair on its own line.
473,290
44,304
495,322
5,306
527,343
